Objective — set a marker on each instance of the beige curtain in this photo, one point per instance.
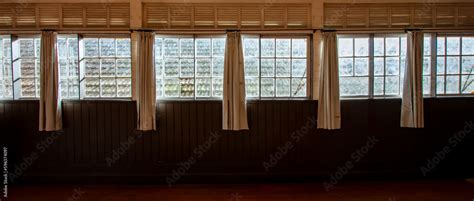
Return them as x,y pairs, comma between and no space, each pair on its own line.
234,103
412,98
145,85
329,106
50,117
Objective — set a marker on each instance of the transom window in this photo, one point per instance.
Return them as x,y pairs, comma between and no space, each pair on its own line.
6,88
455,64
26,66
105,63
189,66
275,66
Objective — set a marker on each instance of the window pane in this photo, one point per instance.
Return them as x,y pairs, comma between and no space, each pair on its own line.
91,47
283,68
468,45
268,87
354,86
187,87
203,68
345,47
123,47
251,67
393,46
218,46
283,87
452,84
452,45
282,47
92,87
440,49
361,46
298,47
27,60
124,87
217,87
172,87
68,66
268,47
171,67
298,87
124,68
346,67
361,66
251,47
107,67
187,67
107,87
452,65
251,87
187,47
379,46
467,85
268,67
218,67
203,47
171,47
91,67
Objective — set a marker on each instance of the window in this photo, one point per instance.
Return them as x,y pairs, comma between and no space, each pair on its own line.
68,55
275,66
6,88
189,66
26,66
353,65
105,66
455,64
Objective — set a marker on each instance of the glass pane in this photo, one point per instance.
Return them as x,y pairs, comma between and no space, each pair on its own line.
427,46
378,86
299,47
346,66
159,67
251,67
171,47
123,47
298,87
251,87
393,46
467,86
345,47
62,47
403,47
392,65
268,47
107,47
27,67
203,47
27,48
426,84
218,66
282,67
468,45
203,87
108,87
73,47
172,87
203,67
107,67
379,66
361,46
268,87
467,64
91,67
452,65
124,87
299,67
353,86
218,46
361,66
187,87
440,84
440,49
251,47
426,65
91,47
452,84
379,46
453,45
92,87
217,87
28,88
124,68
171,67
187,67
283,87
391,85
282,47
268,67
158,47
440,65
187,47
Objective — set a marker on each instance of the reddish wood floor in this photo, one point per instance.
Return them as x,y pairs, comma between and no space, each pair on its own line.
346,191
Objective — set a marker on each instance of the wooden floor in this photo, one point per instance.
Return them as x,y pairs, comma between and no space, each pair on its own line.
346,191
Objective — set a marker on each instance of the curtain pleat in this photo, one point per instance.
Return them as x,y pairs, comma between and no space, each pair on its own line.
145,82
50,114
329,106
234,103
412,98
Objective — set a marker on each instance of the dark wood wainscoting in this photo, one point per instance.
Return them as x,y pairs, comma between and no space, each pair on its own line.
99,140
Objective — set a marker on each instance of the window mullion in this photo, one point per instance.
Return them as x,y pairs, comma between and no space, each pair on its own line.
371,66
434,64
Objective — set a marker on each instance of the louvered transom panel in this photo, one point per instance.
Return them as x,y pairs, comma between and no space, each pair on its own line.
274,17
49,15
180,17
398,15
6,17
73,15
204,16
25,16
227,17
218,16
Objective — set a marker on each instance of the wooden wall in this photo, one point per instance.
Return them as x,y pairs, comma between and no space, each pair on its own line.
94,129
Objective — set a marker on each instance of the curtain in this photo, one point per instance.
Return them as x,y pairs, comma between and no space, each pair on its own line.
145,85
412,98
50,116
234,103
329,106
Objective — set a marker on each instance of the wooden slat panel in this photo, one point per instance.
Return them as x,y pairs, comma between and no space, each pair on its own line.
49,15
379,17
274,17
466,16
445,16
119,15
227,17
73,16
204,16
6,16
250,17
180,17
400,17
298,16
25,16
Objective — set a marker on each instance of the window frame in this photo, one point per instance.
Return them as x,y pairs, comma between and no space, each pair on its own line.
16,67
309,69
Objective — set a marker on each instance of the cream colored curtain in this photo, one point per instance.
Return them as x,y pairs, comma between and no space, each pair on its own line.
234,103
50,114
412,98
145,85
329,106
